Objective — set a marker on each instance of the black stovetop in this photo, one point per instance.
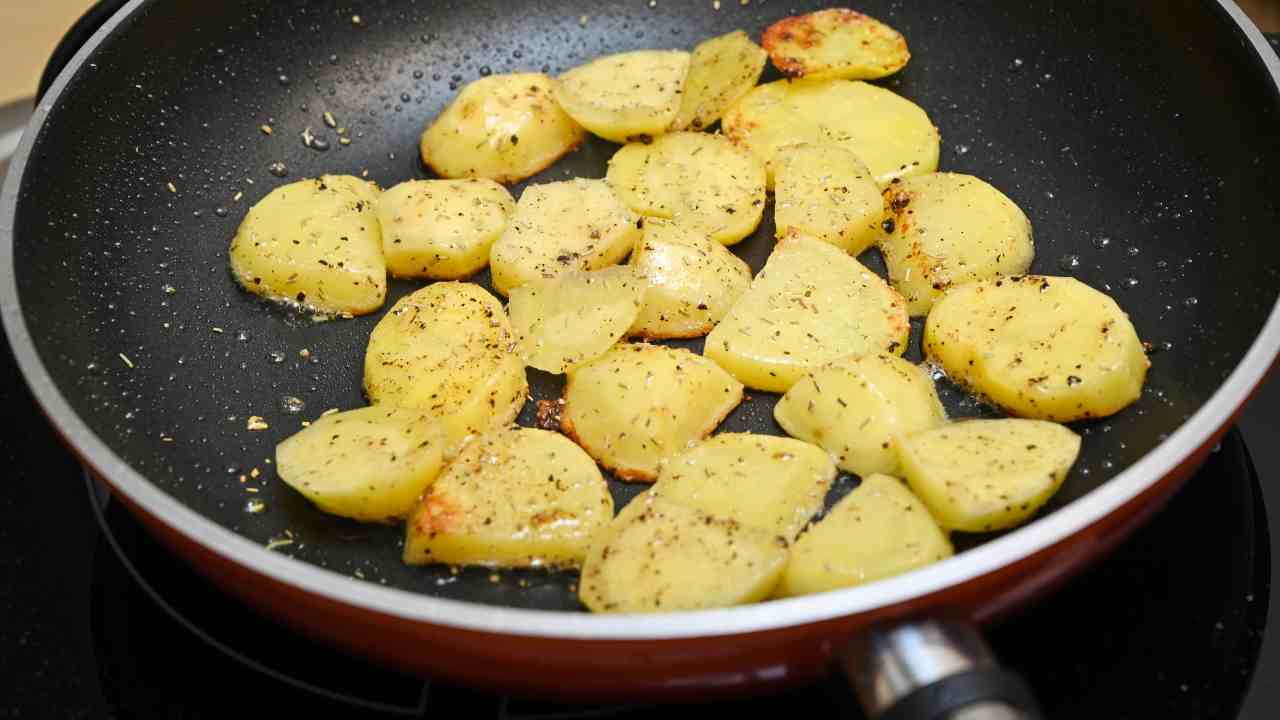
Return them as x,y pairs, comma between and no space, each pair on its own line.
97,621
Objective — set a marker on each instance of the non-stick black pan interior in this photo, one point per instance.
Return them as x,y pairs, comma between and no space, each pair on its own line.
1139,137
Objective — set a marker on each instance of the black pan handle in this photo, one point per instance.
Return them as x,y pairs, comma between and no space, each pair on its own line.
934,669
76,37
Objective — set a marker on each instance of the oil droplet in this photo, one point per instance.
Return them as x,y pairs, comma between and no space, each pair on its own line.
1133,250
405,97
1016,64
242,336
1129,283
292,404
254,506
485,71
1191,301
962,149
1101,241
275,356
278,169
1107,465
417,74
283,79
1162,264
1069,262
220,212
169,289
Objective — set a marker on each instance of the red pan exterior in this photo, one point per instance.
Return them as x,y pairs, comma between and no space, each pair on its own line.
700,667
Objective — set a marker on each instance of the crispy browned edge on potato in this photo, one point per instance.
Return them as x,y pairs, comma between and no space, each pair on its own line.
800,29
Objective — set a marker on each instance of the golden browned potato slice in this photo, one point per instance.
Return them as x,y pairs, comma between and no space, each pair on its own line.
835,43
563,322
660,556
562,226
314,243
810,305
692,281
878,530
502,127
639,404
824,191
627,96
854,406
946,229
773,483
982,475
699,180
442,229
721,70
891,134
448,349
1041,347
516,497
367,464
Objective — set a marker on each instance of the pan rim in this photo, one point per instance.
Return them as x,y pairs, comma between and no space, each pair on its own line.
973,564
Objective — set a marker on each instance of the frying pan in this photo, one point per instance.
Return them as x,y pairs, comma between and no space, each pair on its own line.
1140,139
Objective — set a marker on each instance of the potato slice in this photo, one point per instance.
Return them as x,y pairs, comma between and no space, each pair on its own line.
835,43
772,483
983,475
702,181
639,404
692,281
516,497
367,464
563,322
442,229
891,134
721,71
627,96
557,227
1041,347
660,556
946,229
448,349
810,305
314,243
824,191
854,406
501,127
876,531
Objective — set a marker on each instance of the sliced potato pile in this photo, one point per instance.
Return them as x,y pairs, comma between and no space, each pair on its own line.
565,321
367,464
891,134
946,229
661,556
627,96
502,127
721,71
442,229
516,497
772,483
562,226
448,349
1041,347
316,243
639,404
835,43
878,530
982,475
692,281
854,407
810,305
824,191
701,181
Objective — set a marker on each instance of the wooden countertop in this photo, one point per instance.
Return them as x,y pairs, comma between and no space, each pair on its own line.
28,33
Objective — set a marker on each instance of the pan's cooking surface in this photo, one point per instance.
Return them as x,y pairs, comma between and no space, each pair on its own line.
1139,169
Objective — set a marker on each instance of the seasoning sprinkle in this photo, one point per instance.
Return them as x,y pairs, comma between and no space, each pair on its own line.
266,129
126,360
344,141
217,330
330,120
355,20
237,196
308,137
274,543
172,189
256,423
